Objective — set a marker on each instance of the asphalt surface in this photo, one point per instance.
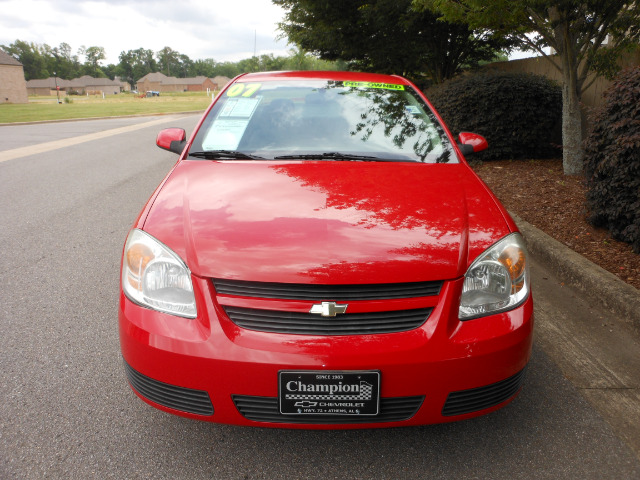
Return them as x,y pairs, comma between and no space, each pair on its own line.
66,410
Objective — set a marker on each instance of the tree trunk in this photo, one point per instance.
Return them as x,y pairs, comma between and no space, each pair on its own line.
572,150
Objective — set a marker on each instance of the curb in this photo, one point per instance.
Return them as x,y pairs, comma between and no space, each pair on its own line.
65,120
601,286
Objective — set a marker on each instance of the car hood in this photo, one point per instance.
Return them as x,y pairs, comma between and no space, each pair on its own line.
325,222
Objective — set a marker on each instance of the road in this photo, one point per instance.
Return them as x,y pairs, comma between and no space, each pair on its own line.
66,410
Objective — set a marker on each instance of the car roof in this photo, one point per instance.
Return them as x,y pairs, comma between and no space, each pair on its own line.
323,75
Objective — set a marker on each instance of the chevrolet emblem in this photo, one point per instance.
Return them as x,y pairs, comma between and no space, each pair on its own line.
328,309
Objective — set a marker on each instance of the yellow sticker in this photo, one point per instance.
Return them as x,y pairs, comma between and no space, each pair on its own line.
235,90
386,86
246,89
251,89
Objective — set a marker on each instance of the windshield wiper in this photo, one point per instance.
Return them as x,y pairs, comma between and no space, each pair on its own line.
328,156
224,154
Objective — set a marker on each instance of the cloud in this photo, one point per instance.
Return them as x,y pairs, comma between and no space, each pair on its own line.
200,29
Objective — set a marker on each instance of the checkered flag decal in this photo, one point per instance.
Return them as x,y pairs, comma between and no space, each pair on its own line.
366,391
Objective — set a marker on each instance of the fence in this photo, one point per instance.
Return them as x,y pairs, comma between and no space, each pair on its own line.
592,97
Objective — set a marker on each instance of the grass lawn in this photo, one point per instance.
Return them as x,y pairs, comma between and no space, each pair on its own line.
47,108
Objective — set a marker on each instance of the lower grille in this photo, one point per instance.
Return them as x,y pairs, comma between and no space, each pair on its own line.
310,324
265,409
467,401
178,398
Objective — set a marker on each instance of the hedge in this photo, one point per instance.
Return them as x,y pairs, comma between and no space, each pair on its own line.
612,160
518,113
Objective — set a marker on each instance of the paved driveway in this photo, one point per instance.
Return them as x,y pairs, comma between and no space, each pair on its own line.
66,410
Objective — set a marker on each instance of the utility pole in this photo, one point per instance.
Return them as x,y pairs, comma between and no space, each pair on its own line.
55,79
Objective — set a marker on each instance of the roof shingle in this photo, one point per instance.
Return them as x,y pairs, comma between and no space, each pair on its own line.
6,59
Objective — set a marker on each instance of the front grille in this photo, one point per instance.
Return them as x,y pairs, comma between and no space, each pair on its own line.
265,409
303,291
172,396
467,401
310,324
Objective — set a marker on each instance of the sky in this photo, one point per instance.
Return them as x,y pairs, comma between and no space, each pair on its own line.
223,30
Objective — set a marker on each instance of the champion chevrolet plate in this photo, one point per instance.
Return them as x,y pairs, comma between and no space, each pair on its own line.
329,393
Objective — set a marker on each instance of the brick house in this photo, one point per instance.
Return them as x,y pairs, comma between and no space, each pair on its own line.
47,86
159,82
13,87
220,81
90,84
151,81
84,84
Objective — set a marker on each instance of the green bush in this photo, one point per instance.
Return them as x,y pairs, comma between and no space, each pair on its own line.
518,113
612,160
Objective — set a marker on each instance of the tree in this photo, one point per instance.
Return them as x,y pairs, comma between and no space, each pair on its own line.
168,60
576,30
61,61
299,59
185,65
93,55
110,71
32,57
40,61
227,69
386,36
206,68
135,64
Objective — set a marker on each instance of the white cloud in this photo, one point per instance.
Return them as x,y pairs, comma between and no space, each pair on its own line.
197,28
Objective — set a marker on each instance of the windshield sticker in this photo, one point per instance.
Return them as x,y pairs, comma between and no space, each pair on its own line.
240,107
386,86
225,134
412,109
246,89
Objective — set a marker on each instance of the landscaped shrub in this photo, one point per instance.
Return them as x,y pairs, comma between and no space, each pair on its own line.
518,113
612,160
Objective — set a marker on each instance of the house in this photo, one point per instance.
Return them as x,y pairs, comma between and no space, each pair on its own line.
13,87
161,83
82,85
220,81
151,81
47,86
196,84
124,85
91,85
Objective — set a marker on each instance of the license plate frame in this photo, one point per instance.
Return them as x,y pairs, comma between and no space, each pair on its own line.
320,392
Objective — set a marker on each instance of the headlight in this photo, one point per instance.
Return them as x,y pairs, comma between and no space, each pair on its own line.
498,280
153,276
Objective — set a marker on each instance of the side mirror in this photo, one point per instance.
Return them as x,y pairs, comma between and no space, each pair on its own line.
172,139
471,143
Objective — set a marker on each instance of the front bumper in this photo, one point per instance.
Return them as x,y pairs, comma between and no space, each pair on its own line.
211,369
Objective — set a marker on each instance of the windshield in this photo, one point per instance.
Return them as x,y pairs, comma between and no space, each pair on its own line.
320,119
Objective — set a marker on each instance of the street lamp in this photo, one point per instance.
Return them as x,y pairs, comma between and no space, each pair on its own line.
55,79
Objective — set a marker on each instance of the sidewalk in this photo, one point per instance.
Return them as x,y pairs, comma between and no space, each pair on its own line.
587,321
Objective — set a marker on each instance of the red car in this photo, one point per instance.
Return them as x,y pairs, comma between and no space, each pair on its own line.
322,256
